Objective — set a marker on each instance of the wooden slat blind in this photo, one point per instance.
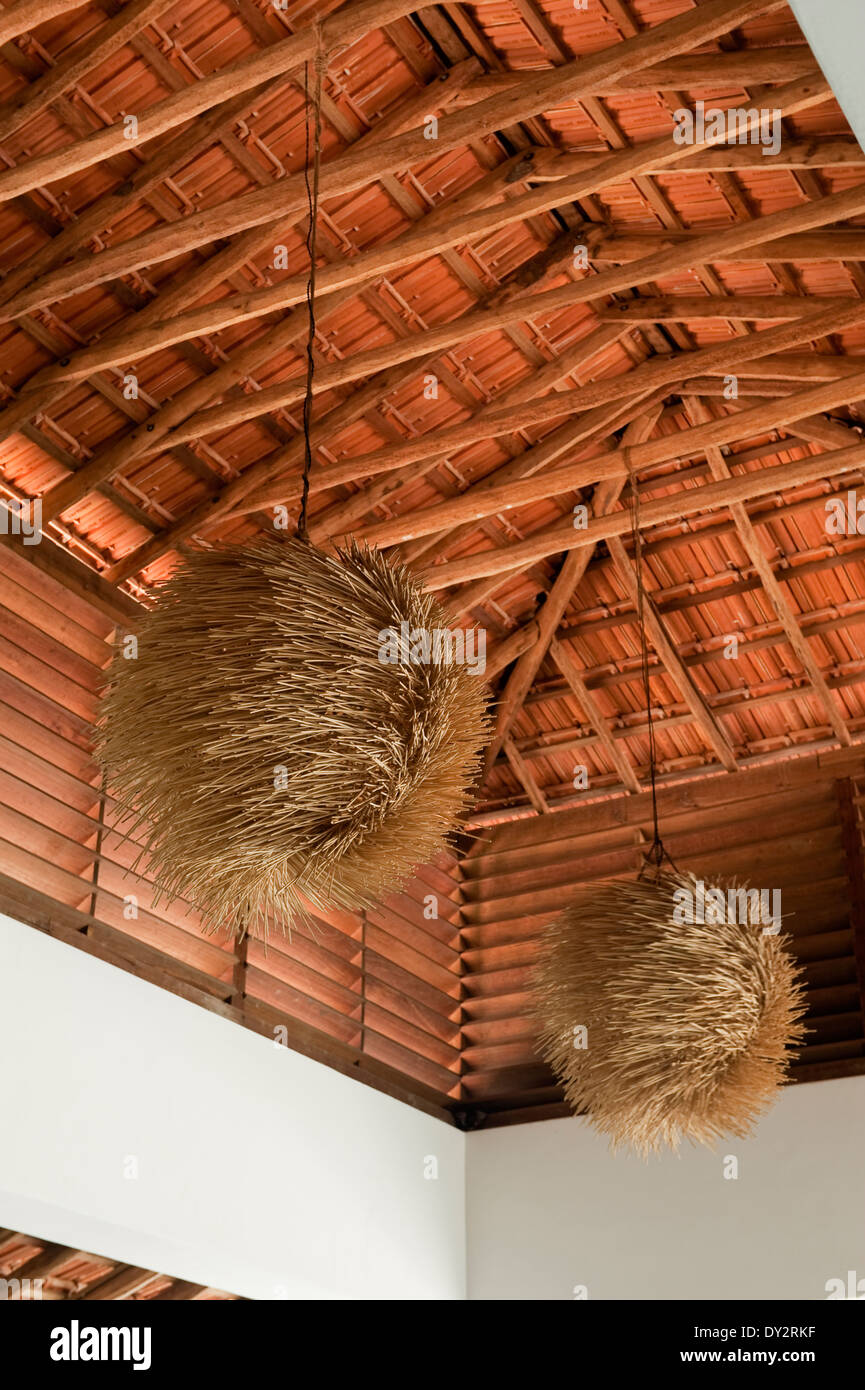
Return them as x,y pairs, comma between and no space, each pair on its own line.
779,828
426,994
377,993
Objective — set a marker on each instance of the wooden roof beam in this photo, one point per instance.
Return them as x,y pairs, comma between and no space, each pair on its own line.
25,15
349,171
549,616
525,776
519,681
594,715
350,23
753,308
344,515
602,679
729,159
92,221
335,475
833,244
37,397
288,332
343,28
656,371
478,501
128,344
437,339
175,154
778,600
108,38
650,376
509,648
475,323
122,1282
744,67
688,502
671,662
40,392
245,485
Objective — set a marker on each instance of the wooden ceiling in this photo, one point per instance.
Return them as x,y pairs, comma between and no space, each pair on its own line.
35,1269
476,381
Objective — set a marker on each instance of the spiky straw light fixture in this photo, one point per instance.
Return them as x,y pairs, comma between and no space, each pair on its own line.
688,1026
265,752
664,1024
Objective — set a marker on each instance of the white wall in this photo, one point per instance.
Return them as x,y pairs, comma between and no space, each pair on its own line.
835,29
264,1173
260,1171
550,1208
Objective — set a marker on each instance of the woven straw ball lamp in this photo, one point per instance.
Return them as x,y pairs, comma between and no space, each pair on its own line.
265,755
688,1028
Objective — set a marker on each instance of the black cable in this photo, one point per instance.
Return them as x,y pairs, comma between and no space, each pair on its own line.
656,853
311,234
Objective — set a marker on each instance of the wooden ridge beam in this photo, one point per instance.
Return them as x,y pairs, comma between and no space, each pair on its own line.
106,40
350,23
349,171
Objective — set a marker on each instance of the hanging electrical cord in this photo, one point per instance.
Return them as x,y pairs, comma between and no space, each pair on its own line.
311,239
656,854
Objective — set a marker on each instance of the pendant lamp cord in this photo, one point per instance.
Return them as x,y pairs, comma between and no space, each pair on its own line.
314,138
656,854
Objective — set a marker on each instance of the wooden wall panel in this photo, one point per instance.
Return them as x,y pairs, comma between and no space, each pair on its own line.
382,987
774,829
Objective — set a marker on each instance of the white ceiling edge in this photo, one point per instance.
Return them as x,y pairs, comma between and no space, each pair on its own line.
835,29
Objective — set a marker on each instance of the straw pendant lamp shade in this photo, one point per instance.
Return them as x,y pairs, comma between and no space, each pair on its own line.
664,1024
264,752
688,1026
